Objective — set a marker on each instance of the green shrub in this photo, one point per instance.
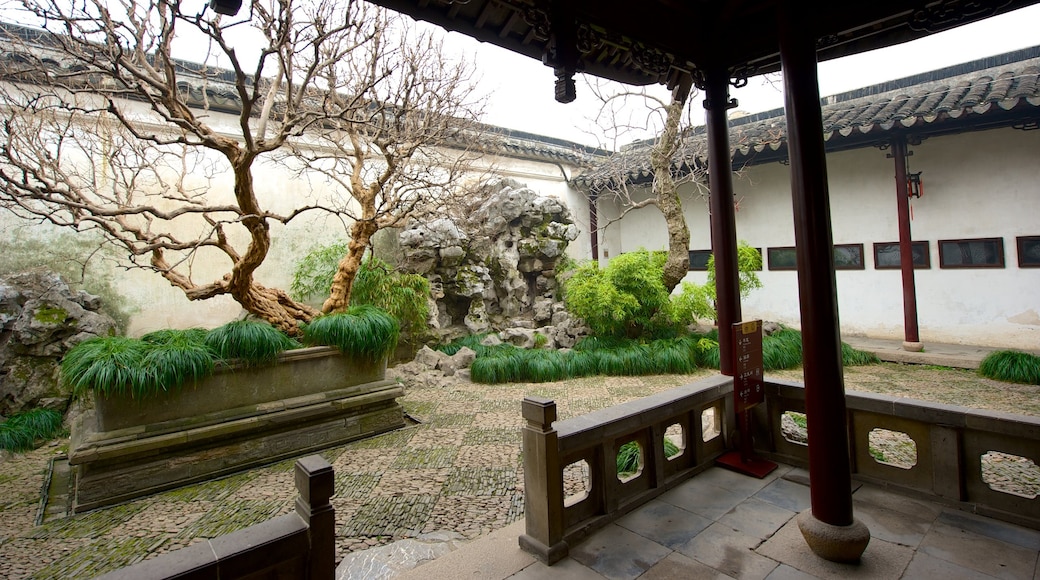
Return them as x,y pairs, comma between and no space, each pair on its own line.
254,342
693,302
626,298
749,261
1012,367
696,302
313,274
363,331
403,296
20,431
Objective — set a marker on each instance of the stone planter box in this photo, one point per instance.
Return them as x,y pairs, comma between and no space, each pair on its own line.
238,418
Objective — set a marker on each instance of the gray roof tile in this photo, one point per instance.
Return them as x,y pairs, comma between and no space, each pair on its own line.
924,103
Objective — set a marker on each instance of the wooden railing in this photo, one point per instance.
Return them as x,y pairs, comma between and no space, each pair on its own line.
297,545
559,457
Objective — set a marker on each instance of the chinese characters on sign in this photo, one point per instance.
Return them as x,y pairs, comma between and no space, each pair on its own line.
747,374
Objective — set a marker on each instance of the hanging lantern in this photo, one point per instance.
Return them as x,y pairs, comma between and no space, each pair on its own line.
226,7
914,186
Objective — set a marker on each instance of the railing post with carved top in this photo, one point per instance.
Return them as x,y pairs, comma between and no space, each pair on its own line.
543,483
314,482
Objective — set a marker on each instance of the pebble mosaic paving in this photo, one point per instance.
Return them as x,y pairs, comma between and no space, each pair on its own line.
458,470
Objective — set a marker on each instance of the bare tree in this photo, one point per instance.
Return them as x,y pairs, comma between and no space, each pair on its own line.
672,161
103,129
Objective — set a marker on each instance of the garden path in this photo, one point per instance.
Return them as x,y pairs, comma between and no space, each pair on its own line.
458,470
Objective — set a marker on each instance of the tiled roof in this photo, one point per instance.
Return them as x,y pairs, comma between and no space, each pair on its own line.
520,144
1001,90
214,89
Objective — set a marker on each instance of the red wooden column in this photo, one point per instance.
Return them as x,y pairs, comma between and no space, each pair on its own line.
723,216
829,528
911,340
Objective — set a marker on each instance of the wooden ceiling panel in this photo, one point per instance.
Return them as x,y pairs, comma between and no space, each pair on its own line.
648,41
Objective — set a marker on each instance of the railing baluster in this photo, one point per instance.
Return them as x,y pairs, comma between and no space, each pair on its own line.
543,482
315,484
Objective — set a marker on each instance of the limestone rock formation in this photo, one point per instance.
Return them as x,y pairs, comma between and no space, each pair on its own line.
493,266
41,318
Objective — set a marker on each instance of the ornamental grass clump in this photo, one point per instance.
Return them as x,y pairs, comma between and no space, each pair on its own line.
629,454
472,342
175,357
783,350
505,365
674,356
1012,367
363,331
543,366
166,359
612,356
581,363
21,431
110,365
253,342
853,357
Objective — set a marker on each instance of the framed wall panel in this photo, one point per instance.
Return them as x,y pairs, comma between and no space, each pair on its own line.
848,257
1028,251
699,260
782,258
972,253
886,255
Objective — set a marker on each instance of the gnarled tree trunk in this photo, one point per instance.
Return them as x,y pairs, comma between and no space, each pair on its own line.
667,194
339,295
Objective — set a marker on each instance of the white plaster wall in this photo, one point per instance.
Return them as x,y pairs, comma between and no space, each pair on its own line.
980,184
645,228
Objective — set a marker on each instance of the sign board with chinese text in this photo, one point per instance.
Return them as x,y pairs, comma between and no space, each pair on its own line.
747,368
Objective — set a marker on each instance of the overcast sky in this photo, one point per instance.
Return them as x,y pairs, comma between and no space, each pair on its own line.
522,87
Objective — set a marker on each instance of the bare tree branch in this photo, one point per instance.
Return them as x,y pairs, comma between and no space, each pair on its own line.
104,129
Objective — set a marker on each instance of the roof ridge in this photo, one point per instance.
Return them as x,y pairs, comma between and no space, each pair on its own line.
932,76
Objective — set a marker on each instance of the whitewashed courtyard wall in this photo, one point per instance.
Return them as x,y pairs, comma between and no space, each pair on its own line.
980,184
152,303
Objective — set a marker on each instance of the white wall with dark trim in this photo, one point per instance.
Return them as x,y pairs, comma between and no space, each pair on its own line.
980,184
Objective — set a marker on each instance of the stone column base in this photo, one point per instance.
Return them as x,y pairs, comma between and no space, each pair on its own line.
913,346
548,555
843,544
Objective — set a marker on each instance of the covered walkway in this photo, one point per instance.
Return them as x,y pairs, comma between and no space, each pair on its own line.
721,524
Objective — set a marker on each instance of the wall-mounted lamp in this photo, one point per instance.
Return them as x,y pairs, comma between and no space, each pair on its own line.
914,186
226,7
